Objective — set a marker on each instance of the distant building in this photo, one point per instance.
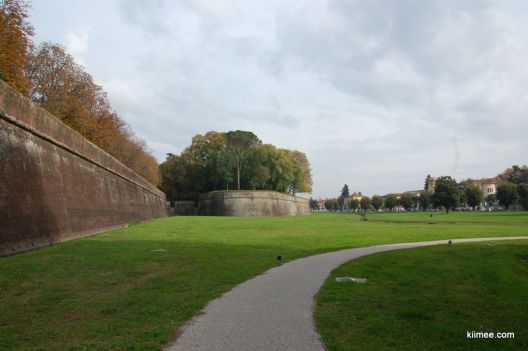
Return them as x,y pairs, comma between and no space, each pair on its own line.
487,185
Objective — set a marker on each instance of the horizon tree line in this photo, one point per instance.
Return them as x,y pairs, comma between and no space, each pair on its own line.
448,194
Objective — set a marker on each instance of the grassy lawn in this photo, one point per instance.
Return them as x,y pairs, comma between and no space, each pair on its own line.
132,289
428,298
500,218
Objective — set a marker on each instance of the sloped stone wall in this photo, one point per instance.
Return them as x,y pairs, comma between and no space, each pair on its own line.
55,185
252,203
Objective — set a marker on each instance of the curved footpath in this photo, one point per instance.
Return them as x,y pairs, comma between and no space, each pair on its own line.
273,311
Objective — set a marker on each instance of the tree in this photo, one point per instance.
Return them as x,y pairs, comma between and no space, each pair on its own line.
425,200
507,194
208,165
474,195
175,180
343,195
239,143
63,88
330,204
344,191
516,175
341,203
406,201
491,199
314,205
354,204
365,203
522,189
377,202
302,175
15,43
391,201
446,193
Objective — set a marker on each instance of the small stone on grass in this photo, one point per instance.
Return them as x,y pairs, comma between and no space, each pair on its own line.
350,280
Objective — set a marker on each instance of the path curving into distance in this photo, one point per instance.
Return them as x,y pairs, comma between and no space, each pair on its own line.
274,311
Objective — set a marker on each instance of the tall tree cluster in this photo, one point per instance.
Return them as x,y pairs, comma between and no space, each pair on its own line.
233,160
50,77
15,43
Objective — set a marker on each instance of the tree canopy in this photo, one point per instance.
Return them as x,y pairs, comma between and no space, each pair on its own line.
210,163
515,174
15,43
522,189
425,200
377,202
446,193
406,201
474,195
365,203
239,143
507,194
391,201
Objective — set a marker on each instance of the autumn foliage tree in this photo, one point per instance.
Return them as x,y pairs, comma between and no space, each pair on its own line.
15,43
67,91
51,78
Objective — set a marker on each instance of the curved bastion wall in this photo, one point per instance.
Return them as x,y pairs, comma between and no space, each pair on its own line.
55,185
252,203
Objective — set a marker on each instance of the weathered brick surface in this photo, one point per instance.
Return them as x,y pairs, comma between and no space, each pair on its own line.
252,203
56,186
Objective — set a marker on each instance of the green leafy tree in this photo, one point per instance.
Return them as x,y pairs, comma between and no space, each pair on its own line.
314,205
425,200
175,181
474,195
344,191
491,199
331,204
377,202
341,198
447,193
302,173
507,194
391,201
239,143
341,203
463,198
522,189
406,201
365,203
354,204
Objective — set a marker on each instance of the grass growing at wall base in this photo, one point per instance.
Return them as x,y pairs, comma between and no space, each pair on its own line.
428,299
131,289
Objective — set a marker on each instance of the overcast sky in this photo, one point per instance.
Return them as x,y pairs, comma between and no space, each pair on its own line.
378,94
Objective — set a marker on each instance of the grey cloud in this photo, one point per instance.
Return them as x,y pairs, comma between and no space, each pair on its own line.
374,91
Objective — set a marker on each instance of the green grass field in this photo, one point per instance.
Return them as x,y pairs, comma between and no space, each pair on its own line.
428,299
132,289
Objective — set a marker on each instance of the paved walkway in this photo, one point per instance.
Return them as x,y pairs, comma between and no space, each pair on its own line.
273,311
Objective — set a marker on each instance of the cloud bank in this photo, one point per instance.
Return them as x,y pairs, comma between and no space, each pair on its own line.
378,93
